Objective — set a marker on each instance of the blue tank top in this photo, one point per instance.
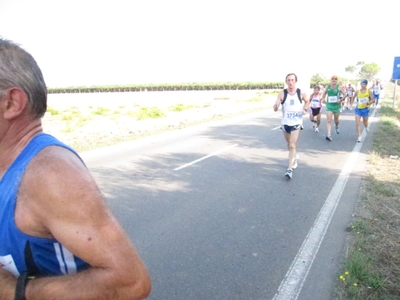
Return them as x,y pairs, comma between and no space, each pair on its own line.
20,252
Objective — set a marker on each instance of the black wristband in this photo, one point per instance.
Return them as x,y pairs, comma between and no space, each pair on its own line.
21,284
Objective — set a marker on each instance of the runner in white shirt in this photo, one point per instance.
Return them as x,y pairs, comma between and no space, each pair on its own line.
342,94
294,106
315,108
349,98
376,89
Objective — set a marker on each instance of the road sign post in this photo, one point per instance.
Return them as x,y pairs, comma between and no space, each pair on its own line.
395,77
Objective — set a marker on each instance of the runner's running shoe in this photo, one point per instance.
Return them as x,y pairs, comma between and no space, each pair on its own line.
288,173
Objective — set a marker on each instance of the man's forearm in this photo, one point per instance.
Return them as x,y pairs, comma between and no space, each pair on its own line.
7,285
89,284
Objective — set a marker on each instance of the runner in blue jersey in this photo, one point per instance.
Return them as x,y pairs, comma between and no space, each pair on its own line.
58,238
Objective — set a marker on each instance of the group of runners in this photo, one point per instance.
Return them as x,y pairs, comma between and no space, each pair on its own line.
335,96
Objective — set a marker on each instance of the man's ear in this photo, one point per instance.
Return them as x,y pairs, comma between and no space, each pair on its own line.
16,101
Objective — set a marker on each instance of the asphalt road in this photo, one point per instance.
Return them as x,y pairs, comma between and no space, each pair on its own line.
213,217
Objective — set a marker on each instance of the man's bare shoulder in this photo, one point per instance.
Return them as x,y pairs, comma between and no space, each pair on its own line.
55,182
305,95
55,162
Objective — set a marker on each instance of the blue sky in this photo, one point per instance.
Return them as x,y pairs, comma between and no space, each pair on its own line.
87,42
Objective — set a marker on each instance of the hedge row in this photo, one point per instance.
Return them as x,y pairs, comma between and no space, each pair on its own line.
171,87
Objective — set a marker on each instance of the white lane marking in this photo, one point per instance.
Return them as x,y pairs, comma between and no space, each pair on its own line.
205,157
294,279
276,128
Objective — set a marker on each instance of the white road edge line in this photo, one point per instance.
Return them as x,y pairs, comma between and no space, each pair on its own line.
204,157
294,279
276,128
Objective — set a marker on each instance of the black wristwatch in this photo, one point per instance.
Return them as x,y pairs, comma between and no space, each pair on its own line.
21,285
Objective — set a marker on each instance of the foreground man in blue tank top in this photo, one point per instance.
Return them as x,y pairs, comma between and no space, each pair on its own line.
58,238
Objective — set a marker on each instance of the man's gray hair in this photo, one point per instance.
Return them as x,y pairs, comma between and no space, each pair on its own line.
19,69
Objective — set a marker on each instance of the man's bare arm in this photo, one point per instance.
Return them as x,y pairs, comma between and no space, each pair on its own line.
306,100
278,101
7,285
372,87
343,89
61,200
354,95
324,96
371,98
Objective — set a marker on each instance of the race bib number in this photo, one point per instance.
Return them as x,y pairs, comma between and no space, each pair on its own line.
315,103
363,100
332,99
293,114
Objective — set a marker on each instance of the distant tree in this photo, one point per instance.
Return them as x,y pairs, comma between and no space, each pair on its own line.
364,70
369,71
351,70
317,77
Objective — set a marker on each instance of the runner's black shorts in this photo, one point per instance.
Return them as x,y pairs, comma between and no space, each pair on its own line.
289,129
315,111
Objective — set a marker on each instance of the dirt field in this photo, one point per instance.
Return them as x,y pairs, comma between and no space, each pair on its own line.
88,121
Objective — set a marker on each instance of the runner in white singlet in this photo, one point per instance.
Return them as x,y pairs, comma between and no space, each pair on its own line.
294,106
315,108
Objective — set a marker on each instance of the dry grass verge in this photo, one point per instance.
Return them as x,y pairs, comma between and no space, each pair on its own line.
371,269
89,121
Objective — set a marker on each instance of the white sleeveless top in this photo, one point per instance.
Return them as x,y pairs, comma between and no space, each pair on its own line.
377,89
292,110
315,101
